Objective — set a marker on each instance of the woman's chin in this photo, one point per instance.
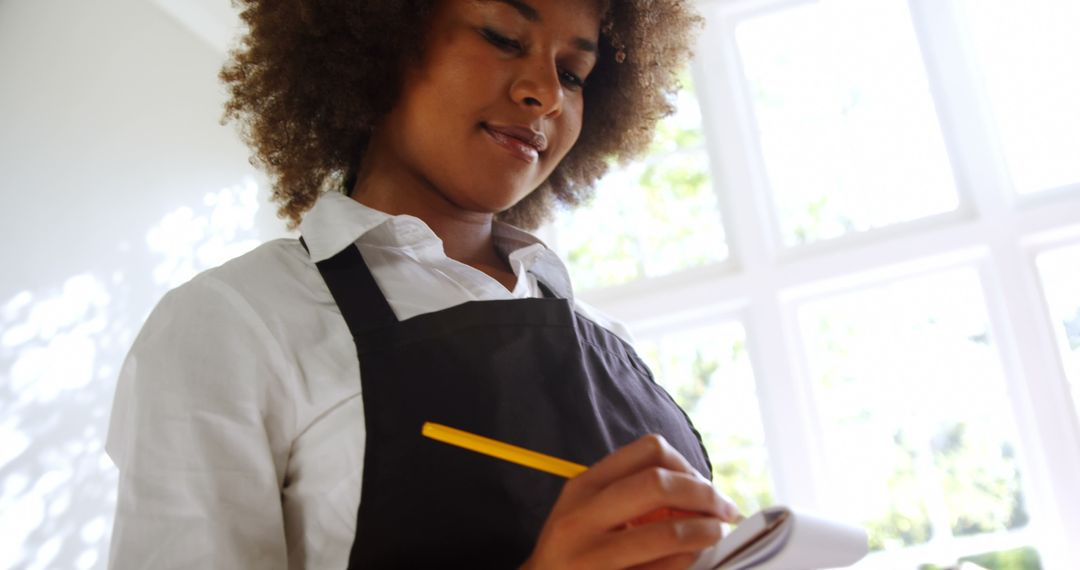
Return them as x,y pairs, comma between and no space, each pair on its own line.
490,203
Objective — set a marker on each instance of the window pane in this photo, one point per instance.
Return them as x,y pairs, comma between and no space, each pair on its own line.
845,119
914,409
652,218
1060,272
1029,53
707,371
1025,558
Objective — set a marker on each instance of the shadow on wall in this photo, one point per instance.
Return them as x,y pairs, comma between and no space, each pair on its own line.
60,351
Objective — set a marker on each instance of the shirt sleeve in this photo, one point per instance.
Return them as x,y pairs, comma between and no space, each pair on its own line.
200,431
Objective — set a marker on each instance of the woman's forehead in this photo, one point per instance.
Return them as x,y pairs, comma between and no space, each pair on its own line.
584,14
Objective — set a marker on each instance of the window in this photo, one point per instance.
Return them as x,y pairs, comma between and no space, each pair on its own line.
1028,54
707,370
1059,270
654,218
848,142
852,256
914,412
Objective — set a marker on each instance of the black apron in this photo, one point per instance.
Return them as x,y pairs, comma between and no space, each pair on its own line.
530,372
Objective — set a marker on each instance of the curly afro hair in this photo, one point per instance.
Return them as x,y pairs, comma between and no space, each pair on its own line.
311,79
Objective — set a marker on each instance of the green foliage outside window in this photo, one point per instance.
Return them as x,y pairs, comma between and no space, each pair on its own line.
707,373
1026,558
651,218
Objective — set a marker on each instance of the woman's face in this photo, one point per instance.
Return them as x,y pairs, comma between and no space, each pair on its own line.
496,102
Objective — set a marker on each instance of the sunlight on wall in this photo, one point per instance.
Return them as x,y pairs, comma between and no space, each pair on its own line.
189,243
60,351
55,344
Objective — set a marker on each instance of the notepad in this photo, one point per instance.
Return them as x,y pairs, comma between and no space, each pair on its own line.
780,538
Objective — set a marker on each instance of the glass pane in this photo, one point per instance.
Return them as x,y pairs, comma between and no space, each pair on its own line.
651,218
1060,272
1026,558
1029,54
707,371
845,120
914,409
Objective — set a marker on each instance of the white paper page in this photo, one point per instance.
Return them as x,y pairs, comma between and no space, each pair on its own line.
803,542
745,532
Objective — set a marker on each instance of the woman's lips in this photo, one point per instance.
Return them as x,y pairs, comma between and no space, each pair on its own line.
524,144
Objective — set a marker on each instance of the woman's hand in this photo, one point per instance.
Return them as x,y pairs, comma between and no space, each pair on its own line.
587,527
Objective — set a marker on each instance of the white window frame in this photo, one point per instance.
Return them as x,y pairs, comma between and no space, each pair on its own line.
763,283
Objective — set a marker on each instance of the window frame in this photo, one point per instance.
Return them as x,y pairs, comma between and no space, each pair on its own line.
762,282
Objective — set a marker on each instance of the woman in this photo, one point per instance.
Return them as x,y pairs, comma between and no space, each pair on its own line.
269,413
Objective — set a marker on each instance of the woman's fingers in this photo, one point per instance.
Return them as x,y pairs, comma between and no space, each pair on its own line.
675,562
655,544
587,527
647,451
648,490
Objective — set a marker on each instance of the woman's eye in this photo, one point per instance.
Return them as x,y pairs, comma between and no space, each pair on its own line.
508,45
571,80
500,41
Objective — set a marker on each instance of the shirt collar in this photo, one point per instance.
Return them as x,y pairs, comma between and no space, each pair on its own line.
337,221
334,222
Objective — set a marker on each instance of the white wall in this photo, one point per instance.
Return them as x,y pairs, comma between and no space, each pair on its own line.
118,182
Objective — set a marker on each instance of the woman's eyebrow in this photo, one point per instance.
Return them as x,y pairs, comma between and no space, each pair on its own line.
527,12
585,45
530,14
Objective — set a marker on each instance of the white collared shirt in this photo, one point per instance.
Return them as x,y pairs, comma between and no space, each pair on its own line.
238,423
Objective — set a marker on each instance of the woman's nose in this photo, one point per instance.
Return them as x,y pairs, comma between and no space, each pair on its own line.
538,88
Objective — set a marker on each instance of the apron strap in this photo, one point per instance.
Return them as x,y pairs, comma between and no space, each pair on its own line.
355,291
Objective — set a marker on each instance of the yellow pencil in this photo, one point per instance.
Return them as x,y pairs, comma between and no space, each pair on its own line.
530,458
504,451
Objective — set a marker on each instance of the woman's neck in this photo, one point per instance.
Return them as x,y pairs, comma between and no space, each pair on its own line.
466,236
